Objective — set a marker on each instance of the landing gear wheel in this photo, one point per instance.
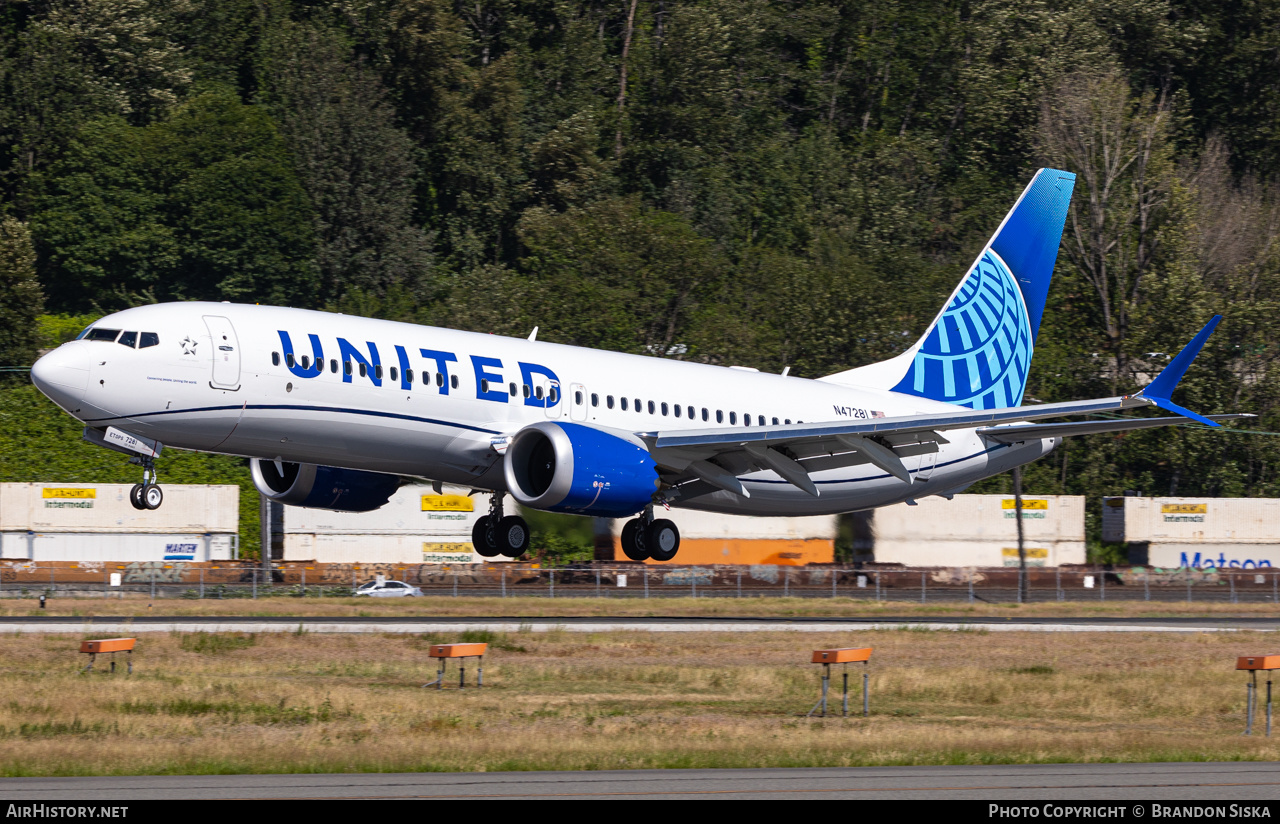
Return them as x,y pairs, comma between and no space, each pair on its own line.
135,497
663,540
483,538
513,536
152,496
632,540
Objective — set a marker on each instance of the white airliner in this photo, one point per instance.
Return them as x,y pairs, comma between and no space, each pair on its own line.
334,410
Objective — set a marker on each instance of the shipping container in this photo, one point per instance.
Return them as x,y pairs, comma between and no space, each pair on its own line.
44,522
714,538
980,530
105,508
1223,533
417,526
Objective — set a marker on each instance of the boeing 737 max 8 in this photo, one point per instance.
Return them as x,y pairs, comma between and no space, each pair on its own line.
333,410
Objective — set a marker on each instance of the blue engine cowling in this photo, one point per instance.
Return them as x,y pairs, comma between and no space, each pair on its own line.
569,467
323,487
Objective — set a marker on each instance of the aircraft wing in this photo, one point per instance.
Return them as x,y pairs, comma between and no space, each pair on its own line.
703,460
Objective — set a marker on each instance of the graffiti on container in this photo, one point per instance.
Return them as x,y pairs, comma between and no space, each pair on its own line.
688,577
819,575
764,572
90,566
957,575
144,572
1177,575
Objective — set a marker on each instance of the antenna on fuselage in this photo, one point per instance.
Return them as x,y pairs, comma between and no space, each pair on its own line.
534,334
785,371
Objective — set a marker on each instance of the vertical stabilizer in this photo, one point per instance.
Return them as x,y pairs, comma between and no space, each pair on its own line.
977,352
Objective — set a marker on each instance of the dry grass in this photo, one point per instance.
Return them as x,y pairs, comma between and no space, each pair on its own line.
444,606
285,702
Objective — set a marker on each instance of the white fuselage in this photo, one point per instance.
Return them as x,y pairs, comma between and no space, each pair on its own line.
220,380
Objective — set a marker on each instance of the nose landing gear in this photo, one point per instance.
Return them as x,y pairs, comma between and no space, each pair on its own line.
495,535
148,494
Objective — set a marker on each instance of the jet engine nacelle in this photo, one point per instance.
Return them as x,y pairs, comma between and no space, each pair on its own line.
323,487
569,467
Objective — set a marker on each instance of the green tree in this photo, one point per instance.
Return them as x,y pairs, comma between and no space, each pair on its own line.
21,299
356,165
203,205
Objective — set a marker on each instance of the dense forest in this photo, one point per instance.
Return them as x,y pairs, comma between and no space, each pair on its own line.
769,183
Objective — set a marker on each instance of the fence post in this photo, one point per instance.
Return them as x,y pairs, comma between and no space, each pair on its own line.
201,583
504,583
153,583
833,582
1057,581
693,582
1102,592
1188,585
1146,585
877,586
645,573
255,582
1232,580
740,582
455,583
786,581
553,582
971,586
923,590
597,582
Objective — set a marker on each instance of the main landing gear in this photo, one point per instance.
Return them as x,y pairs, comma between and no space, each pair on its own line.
644,538
148,494
495,535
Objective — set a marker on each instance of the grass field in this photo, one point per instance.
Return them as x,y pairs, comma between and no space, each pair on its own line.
288,702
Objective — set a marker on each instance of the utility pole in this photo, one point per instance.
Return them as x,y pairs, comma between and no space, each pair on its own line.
1022,550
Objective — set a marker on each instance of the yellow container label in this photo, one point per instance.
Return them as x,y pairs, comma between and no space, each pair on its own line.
447,503
67,492
1032,552
1184,509
1027,503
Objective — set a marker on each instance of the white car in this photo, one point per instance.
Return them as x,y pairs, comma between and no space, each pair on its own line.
389,589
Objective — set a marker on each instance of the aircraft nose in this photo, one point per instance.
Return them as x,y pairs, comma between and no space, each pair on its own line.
63,374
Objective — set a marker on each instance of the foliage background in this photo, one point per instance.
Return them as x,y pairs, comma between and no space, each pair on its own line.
760,182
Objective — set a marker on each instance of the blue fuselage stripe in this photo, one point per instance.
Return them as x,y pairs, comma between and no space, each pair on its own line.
293,407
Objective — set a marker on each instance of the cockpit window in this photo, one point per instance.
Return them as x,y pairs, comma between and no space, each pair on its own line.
149,339
84,332
129,339
103,334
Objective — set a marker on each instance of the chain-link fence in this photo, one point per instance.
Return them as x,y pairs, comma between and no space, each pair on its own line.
935,585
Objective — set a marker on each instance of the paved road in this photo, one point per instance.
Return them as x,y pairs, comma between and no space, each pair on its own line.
1243,783
158,623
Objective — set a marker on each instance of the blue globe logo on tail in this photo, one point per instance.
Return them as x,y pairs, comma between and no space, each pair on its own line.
978,352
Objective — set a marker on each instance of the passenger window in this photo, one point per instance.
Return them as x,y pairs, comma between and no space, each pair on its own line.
595,399
676,409
364,371
637,405
103,334
788,421
453,381
552,395
693,413
306,362
577,398
651,407
746,420
377,371
129,339
149,339
760,420
705,416
275,358
346,367
512,389
526,390
440,379
775,421
392,372
484,386
288,359
408,376
733,418
719,416
608,401
537,392
664,410
624,404
333,365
